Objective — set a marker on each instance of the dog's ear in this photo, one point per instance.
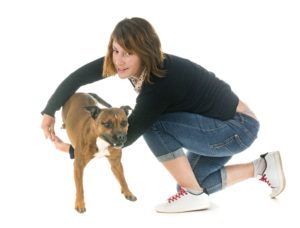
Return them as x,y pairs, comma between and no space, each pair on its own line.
93,110
126,109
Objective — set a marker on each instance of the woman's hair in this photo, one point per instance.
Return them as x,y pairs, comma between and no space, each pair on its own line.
138,36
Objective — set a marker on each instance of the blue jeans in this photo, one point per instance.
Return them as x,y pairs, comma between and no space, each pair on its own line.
210,143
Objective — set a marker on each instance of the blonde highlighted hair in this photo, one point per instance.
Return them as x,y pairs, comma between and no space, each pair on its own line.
136,35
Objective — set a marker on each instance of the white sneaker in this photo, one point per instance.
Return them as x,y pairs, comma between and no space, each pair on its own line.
273,175
184,201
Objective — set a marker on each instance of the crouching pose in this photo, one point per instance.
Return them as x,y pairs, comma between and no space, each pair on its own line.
179,105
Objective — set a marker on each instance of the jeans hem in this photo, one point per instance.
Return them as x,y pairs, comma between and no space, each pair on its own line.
170,156
223,178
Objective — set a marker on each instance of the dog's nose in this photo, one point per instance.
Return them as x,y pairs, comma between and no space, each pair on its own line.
121,138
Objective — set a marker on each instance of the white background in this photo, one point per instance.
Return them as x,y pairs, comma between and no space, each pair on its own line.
253,45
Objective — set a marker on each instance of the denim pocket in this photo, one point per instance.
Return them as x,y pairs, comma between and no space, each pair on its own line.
228,147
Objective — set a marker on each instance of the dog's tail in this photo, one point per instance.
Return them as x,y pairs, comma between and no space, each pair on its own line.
100,100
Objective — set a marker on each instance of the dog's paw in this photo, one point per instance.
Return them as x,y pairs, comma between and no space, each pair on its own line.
80,208
131,197
128,195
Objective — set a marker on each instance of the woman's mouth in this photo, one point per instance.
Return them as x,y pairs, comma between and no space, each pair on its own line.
122,70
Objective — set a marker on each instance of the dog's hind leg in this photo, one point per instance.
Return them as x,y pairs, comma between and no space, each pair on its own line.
117,169
79,164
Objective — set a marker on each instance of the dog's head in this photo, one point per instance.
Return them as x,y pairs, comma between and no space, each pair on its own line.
110,124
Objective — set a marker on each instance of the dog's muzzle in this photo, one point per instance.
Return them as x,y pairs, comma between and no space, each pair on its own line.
117,140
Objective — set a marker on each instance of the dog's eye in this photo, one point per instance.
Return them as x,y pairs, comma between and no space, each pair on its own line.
108,124
124,123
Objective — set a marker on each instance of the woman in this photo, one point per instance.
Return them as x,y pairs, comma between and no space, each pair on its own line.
179,105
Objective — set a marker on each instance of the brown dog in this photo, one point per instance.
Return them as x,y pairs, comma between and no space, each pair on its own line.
86,124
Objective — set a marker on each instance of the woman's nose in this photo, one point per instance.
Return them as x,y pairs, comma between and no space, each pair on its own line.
119,59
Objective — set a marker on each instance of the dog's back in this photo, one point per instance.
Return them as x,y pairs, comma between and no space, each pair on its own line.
74,115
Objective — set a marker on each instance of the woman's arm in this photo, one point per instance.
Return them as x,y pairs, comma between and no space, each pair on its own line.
86,74
64,147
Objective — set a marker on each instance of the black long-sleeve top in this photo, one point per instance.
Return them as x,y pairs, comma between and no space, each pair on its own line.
186,87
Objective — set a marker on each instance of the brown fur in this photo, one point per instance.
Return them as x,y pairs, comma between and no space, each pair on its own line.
84,123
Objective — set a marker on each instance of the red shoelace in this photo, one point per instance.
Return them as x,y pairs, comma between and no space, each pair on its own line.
265,179
178,195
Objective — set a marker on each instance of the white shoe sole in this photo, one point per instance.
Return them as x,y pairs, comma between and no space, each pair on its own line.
193,205
203,208
281,176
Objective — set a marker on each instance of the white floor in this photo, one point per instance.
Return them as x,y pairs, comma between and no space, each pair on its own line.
37,189
253,46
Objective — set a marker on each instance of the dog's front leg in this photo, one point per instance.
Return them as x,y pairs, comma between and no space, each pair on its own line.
79,165
117,169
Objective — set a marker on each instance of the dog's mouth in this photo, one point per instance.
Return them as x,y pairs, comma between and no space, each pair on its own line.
117,146
115,142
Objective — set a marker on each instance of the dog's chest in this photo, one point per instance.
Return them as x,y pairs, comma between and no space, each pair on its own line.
102,146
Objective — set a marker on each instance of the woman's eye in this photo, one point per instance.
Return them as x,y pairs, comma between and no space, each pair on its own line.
124,54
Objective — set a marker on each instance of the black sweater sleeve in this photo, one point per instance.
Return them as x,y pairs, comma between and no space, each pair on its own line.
86,74
151,103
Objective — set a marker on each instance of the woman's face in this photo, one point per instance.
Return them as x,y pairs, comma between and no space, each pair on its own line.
126,64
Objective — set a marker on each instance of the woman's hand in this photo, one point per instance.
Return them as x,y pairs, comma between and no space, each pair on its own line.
60,145
48,127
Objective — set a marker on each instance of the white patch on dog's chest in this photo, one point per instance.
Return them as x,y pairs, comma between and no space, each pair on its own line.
102,148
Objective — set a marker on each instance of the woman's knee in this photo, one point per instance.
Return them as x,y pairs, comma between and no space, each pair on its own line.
162,144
